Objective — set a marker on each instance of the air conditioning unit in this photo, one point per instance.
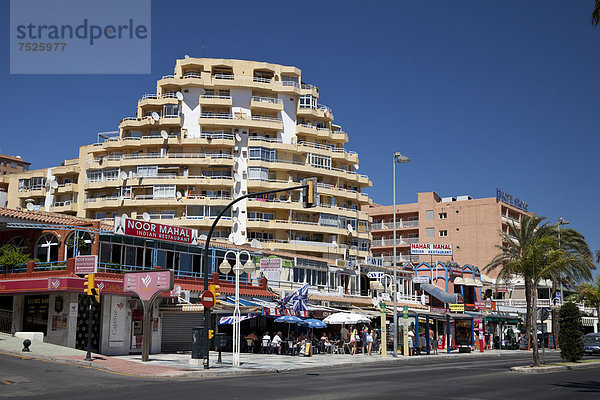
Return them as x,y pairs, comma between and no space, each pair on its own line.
341,290
184,296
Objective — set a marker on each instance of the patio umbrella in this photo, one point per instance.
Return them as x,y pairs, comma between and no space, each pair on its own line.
312,323
289,319
346,318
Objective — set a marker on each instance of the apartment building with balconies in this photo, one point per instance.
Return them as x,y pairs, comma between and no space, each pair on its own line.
471,226
215,130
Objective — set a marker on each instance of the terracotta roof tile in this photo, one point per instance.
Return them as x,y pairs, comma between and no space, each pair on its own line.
49,218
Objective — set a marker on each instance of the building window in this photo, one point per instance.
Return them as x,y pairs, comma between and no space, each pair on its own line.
164,192
308,101
171,110
429,214
430,232
100,215
258,173
147,170
319,161
443,215
443,233
263,154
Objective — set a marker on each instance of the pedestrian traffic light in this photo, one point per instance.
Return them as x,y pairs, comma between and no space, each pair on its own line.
211,334
309,193
90,284
214,289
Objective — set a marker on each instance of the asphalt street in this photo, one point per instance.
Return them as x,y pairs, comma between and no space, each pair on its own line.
475,378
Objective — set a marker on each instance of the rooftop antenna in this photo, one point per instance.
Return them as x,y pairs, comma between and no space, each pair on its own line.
203,47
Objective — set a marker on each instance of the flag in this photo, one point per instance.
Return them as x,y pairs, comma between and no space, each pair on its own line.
301,299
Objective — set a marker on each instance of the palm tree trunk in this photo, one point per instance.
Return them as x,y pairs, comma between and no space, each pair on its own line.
528,301
534,342
554,313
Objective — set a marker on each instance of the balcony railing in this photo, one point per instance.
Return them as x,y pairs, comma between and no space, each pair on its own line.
390,225
290,83
216,115
265,118
390,242
192,74
267,100
224,76
216,135
261,79
212,96
265,139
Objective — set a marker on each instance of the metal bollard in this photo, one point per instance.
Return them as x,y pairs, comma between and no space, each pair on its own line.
26,343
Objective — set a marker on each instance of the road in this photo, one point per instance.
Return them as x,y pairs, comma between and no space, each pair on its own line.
485,377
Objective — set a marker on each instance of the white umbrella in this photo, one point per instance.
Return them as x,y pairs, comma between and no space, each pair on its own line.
346,318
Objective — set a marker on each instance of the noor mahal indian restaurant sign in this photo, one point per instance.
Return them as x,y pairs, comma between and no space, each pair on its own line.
152,230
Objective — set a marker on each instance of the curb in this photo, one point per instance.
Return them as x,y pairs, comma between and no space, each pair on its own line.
554,368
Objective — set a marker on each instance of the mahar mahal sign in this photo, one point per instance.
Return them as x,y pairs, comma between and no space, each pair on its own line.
431,249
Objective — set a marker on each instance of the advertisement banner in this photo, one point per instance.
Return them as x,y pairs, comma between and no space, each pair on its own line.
431,249
456,307
86,264
118,320
147,284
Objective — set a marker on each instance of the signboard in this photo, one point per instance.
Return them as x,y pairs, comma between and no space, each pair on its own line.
457,307
374,261
152,230
73,309
86,265
431,249
502,289
524,344
456,270
483,305
271,264
405,311
118,318
278,312
420,279
176,292
437,310
511,200
375,274
147,284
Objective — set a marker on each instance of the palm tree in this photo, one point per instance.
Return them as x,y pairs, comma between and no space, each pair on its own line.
591,292
531,251
596,15
579,256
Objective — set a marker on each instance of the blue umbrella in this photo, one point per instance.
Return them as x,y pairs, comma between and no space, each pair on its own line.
312,323
290,319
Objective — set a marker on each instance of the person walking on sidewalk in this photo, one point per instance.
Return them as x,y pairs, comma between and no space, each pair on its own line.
369,341
354,337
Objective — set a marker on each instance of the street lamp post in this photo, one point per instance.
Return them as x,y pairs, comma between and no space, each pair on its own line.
248,268
400,159
561,221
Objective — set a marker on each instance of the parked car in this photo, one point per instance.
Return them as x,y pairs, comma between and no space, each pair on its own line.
591,343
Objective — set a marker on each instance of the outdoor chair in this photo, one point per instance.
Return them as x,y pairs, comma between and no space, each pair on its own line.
250,345
265,346
291,348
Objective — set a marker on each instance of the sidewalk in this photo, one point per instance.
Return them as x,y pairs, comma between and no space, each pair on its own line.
179,365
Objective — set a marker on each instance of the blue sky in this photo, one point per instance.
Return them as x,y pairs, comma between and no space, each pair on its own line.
479,94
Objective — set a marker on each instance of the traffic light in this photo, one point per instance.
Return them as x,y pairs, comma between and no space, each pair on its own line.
309,193
90,284
211,333
96,293
213,289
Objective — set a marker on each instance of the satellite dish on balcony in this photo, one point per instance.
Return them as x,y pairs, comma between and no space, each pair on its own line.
54,185
238,138
30,207
164,134
146,217
179,96
240,240
356,166
231,238
350,228
155,116
202,237
178,195
256,244
124,175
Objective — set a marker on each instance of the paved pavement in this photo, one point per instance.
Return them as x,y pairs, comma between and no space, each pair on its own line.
181,364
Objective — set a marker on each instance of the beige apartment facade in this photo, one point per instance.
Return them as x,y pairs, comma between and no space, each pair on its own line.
471,226
214,130
9,165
